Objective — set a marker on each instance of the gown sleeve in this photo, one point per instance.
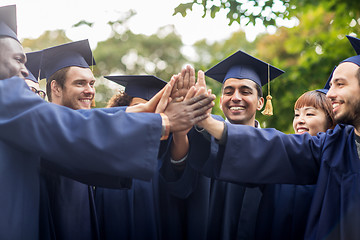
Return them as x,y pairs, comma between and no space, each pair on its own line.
98,142
254,155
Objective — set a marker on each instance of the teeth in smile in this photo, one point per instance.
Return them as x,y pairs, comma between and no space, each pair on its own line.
301,130
335,105
237,108
85,100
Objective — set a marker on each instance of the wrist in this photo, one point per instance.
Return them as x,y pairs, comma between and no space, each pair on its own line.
165,130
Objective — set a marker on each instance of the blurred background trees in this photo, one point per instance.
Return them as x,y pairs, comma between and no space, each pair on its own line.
307,51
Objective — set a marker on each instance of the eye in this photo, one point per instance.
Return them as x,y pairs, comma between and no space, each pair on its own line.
310,114
228,92
296,115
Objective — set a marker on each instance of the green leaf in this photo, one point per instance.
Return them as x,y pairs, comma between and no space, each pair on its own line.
213,10
83,22
183,7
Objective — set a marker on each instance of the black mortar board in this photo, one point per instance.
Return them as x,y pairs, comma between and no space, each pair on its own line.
77,54
8,25
142,86
33,65
241,65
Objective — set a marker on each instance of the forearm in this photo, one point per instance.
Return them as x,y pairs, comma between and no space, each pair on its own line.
214,127
179,146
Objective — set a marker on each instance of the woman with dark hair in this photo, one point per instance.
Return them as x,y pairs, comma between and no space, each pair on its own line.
313,113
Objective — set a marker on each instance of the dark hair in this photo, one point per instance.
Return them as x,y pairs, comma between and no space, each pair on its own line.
119,99
60,77
317,100
259,90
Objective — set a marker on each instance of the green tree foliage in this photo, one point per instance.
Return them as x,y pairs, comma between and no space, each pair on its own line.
137,54
129,53
47,39
307,52
268,11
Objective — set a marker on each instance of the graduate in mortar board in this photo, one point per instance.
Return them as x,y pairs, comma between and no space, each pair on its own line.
233,207
32,128
70,82
132,213
331,159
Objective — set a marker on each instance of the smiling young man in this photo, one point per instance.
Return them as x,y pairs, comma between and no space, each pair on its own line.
331,159
70,81
231,208
240,100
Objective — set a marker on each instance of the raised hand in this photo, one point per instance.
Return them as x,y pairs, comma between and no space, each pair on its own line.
184,81
183,115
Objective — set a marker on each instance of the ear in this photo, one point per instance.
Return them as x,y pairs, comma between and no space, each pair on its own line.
260,103
56,90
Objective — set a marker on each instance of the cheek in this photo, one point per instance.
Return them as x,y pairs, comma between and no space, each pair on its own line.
318,125
294,123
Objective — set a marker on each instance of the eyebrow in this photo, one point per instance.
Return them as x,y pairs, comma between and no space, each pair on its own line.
22,56
307,108
242,87
336,80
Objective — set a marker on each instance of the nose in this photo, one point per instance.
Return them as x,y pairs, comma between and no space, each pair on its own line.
236,96
89,89
300,119
331,93
24,72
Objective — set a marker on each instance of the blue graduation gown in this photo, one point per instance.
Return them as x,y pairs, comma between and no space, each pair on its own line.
68,207
233,208
129,213
147,210
186,193
329,159
31,127
283,212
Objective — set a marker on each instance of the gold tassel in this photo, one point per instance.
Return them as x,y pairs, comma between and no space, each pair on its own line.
268,110
93,104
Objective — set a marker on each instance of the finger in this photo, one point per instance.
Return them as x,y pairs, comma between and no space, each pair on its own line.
195,99
191,93
187,77
174,89
200,91
180,84
203,102
203,110
165,96
201,79
192,77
